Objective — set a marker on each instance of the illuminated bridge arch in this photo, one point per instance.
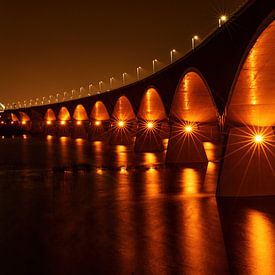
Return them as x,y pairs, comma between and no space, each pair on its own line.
151,107
14,118
50,115
24,116
193,119
99,116
251,117
192,101
252,99
80,113
64,114
123,110
99,112
153,123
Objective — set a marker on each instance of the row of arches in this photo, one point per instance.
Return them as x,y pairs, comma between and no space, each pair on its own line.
192,102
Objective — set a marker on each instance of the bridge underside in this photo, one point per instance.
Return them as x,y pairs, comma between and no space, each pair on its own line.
249,162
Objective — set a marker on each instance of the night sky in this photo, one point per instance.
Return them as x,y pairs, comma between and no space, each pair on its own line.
49,47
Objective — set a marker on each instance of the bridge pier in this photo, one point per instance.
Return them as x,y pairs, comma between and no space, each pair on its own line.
63,129
185,145
50,128
79,129
248,167
149,137
97,131
122,132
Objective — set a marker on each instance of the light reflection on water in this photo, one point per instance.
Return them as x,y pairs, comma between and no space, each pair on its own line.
74,207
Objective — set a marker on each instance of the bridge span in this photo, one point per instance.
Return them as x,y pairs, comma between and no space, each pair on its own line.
222,93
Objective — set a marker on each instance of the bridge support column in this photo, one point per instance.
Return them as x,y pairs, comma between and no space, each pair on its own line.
97,131
122,132
149,137
63,129
248,167
185,146
50,129
79,130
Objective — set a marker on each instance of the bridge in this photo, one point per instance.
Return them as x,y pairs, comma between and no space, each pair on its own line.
223,93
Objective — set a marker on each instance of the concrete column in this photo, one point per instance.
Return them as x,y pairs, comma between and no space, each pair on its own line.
185,147
149,139
248,167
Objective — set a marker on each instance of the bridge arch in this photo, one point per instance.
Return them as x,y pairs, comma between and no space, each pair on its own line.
193,120
123,109
80,113
24,116
252,97
153,122
64,114
50,115
151,106
193,101
99,112
250,115
14,117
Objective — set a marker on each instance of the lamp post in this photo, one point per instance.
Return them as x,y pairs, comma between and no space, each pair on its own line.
91,88
154,62
194,39
138,72
171,55
100,84
124,78
222,20
73,92
112,82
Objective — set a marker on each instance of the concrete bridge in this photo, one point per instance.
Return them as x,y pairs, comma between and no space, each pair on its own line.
223,92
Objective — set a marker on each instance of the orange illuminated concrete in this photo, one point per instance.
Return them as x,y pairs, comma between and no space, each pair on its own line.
149,139
14,118
24,116
64,114
50,115
192,101
248,167
124,123
96,130
123,109
79,130
253,97
80,113
99,112
151,107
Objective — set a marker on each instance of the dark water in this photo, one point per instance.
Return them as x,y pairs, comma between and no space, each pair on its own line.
74,207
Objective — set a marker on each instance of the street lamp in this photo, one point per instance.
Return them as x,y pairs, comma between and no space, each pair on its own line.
57,95
100,83
73,92
124,78
91,88
138,72
194,39
81,91
112,82
171,55
154,65
222,19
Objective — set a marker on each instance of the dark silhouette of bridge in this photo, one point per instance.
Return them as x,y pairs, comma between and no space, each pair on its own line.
223,92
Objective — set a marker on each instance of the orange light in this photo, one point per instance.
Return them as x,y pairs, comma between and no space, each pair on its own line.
63,122
259,138
79,122
49,122
121,123
12,122
23,122
188,129
2,122
97,123
150,125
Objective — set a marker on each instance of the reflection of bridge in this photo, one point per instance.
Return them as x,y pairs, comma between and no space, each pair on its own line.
223,92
